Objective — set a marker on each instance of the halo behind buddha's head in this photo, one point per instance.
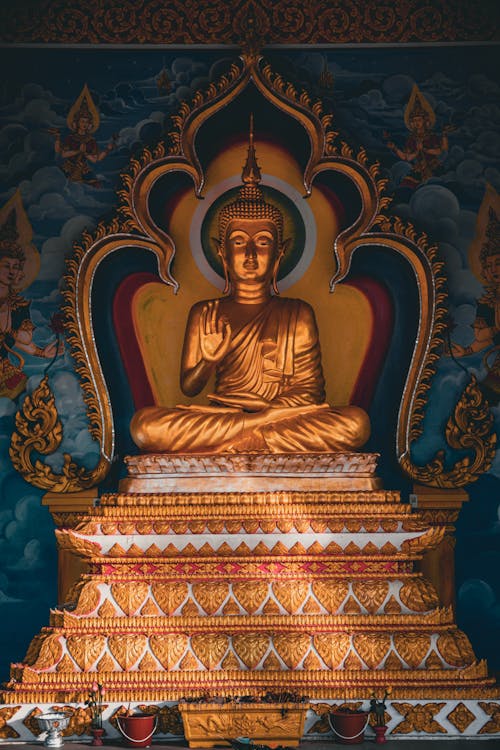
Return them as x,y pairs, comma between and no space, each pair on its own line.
250,202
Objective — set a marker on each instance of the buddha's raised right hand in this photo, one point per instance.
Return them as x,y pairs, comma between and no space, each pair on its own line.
214,333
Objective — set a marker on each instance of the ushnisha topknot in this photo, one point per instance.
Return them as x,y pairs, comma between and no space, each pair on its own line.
250,203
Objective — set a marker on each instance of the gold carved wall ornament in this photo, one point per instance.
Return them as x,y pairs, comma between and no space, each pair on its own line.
277,22
38,426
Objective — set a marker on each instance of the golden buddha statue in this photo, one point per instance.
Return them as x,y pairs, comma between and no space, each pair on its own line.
269,391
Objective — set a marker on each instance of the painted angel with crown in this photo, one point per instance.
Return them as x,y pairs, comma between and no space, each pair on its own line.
423,147
80,149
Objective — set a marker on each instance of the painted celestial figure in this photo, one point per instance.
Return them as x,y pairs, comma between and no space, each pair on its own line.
264,350
79,149
19,265
484,256
423,147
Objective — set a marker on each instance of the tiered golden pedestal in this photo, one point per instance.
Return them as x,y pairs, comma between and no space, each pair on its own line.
242,592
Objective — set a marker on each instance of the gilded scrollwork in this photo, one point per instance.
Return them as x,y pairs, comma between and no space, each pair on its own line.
493,724
38,427
419,717
272,22
470,428
7,731
461,717
39,430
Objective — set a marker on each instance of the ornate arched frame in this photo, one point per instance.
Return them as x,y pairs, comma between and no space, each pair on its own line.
38,428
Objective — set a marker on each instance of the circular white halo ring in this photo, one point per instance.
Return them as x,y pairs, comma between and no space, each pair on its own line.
281,186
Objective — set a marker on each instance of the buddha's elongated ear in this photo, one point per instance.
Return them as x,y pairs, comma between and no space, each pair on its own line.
220,252
279,257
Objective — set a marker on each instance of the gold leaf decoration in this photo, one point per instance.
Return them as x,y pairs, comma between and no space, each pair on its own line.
461,717
190,663
190,608
170,596
351,607
89,597
412,647
419,717
332,648
144,527
393,663
215,526
372,647
127,648
168,649
50,651
148,663
210,595
419,595
292,647
127,528
85,649
251,594
433,661
330,594
291,594
230,662
38,430
107,609
311,662
471,428
79,719
268,525
251,648
455,648
130,595
231,607
251,525
150,609
6,731
31,723
108,528
493,710
392,606
106,664
353,662
311,607
272,663
371,594
249,25
210,648
271,608
66,665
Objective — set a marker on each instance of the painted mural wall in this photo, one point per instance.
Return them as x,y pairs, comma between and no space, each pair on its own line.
71,119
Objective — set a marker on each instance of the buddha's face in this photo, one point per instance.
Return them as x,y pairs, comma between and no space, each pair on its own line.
251,250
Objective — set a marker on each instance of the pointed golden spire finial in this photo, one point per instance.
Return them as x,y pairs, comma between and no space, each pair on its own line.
251,175
250,202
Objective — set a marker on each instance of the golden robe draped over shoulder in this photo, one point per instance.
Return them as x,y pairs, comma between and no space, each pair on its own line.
275,359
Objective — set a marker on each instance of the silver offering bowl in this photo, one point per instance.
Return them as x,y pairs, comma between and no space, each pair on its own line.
53,723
